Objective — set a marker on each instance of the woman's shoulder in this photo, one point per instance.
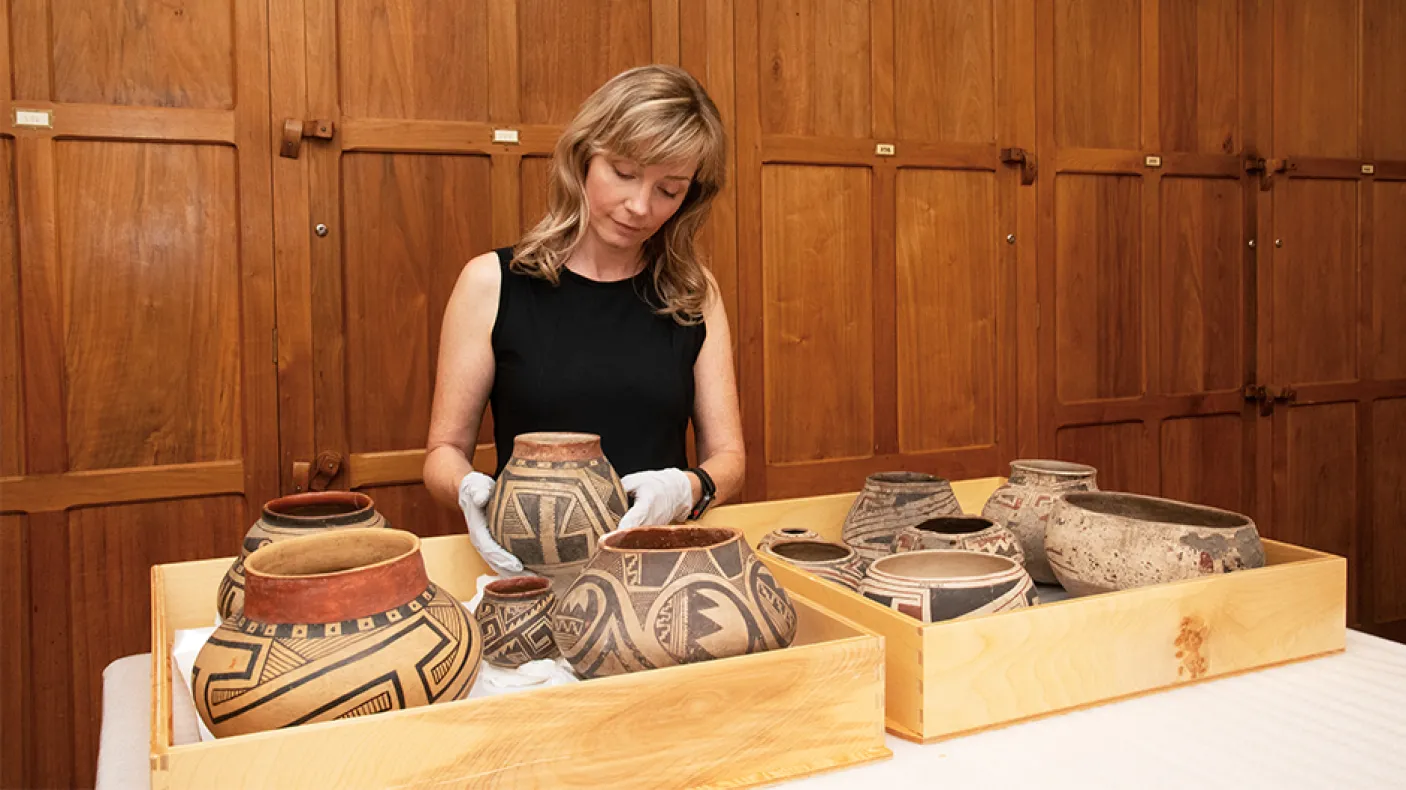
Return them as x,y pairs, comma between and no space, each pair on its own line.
483,271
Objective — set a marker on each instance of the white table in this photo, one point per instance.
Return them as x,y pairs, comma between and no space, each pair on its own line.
1335,722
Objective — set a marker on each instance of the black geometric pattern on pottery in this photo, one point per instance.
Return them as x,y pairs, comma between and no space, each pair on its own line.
424,663
655,568
764,587
352,694
700,626
950,604
603,637
574,548
284,630
729,558
886,600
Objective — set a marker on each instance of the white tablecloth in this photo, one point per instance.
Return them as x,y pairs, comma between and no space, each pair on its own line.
1335,722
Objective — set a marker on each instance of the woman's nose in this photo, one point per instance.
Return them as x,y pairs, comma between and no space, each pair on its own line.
638,201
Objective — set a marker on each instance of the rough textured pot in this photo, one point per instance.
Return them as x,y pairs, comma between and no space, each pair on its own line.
1104,541
787,533
947,584
968,533
833,561
293,517
554,500
660,596
1024,502
335,625
891,501
515,616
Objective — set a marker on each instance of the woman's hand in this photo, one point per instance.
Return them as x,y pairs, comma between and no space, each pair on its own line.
662,496
474,492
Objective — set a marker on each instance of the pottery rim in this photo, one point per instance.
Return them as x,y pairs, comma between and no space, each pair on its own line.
557,446
650,539
957,566
1156,510
956,525
347,507
333,575
794,551
518,587
1043,466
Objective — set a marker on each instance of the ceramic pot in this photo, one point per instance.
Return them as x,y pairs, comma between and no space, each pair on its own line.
945,584
515,616
891,501
1104,541
968,533
787,533
1023,504
335,625
293,517
554,500
832,561
660,596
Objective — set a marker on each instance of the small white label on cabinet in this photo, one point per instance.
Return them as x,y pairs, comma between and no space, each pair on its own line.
1153,161
505,136
885,149
1368,170
36,119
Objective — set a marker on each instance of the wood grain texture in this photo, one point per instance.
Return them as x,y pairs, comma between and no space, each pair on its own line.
1203,460
1199,65
410,507
1315,78
1202,295
818,320
59,492
409,227
1388,538
16,734
815,77
1315,281
567,50
57,759
1383,89
945,91
12,428
161,53
155,228
1098,287
1116,450
1096,73
41,311
825,692
1317,482
1387,329
535,176
948,309
405,59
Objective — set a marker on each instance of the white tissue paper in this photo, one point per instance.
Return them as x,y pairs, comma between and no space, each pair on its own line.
491,680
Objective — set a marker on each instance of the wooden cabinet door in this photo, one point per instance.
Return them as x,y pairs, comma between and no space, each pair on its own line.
138,402
878,285
1146,268
375,223
1332,298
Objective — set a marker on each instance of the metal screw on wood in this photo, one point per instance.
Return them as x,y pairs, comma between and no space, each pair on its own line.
1279,242
1010,238
1252,244
320,229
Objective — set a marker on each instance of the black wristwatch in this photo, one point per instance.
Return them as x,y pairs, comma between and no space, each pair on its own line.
706,498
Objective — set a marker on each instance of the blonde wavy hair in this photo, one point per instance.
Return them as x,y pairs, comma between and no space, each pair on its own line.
649,115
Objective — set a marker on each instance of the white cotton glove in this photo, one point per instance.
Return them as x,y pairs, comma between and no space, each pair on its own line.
661,496
474,492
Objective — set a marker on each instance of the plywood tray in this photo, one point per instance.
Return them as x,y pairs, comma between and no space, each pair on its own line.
952,678
734,722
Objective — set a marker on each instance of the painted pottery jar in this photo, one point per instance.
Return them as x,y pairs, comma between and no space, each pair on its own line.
943,584
1104,541
515,616
968,533
660,596
787,533
335,625
835,562
891,501
554,500
1023,504
295,516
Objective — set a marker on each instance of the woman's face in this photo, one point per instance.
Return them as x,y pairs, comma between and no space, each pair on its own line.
630,202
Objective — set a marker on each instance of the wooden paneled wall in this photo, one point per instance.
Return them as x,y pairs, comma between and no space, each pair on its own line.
176,332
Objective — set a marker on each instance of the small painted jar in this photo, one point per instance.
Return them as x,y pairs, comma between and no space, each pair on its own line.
938,584
969,533
515,616
830,561
787,533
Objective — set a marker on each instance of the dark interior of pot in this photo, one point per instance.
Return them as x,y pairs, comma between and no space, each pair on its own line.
791,531
942,565
331,552
668,538
1165,511
522,585
319,505
810,550
903,477
955,525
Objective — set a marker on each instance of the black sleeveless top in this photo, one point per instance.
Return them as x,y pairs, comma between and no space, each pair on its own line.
592,357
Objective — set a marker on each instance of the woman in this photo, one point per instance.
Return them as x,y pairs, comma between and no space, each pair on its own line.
602,319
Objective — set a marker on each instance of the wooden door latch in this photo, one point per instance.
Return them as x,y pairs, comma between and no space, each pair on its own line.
316,476
1026,160
295,130
1268,169
1267,396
